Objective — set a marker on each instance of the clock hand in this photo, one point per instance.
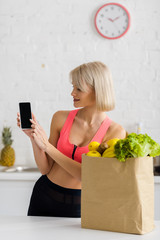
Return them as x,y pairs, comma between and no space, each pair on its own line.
110,19
116,18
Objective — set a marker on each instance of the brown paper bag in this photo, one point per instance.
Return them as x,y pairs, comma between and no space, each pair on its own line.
117,196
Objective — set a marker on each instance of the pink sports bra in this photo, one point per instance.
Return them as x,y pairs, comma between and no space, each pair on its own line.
71,150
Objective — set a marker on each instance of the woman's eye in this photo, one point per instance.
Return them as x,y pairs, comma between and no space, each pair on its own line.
78,89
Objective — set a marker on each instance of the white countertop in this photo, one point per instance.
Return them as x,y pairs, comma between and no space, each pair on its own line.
23,176
33,176
51,228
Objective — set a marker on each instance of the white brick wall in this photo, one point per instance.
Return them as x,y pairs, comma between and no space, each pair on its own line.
42,40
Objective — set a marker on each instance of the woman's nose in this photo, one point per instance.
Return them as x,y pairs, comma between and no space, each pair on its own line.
73,93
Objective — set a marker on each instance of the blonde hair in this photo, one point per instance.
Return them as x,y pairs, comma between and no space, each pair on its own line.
97,76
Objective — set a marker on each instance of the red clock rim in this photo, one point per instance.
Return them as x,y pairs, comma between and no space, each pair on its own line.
129,18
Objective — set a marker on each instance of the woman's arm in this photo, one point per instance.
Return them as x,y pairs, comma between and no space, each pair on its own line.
72,167
115,131
40,138
44,162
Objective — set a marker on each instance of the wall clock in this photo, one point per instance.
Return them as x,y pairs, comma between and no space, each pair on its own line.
112,20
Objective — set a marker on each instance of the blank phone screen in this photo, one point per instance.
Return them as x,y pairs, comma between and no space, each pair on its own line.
25,114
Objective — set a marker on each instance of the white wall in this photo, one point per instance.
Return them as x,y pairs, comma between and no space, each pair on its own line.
42,40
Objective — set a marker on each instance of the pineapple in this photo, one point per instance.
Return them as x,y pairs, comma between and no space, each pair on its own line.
7,153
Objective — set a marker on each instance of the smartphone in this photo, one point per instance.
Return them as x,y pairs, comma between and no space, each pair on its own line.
25,115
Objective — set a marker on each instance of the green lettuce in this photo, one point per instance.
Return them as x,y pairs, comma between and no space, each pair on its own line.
136,145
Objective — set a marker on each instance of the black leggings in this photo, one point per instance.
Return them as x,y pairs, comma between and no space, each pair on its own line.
49,199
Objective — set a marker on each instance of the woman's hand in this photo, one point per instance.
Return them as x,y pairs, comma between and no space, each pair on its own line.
28,132
39,135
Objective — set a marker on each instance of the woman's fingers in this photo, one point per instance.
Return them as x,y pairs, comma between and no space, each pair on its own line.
33,121
35,124
18,116
33,135
35,131
27,131
18,120
33,117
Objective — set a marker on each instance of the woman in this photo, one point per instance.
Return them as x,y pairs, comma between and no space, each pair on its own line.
58,191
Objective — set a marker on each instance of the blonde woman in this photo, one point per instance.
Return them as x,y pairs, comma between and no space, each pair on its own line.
58,191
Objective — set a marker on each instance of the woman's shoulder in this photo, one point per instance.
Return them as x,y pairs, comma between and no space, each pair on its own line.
115,130
59,118
61,113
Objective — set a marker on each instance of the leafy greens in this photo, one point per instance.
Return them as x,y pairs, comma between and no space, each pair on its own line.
136,145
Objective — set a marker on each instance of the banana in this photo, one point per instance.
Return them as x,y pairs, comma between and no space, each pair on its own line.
109,152
112,142
108,155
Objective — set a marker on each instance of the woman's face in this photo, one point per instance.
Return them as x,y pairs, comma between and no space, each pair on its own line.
83,99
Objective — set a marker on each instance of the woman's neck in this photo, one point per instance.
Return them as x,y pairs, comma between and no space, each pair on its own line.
91,115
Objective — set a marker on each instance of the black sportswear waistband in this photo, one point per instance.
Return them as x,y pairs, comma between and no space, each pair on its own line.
60,188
